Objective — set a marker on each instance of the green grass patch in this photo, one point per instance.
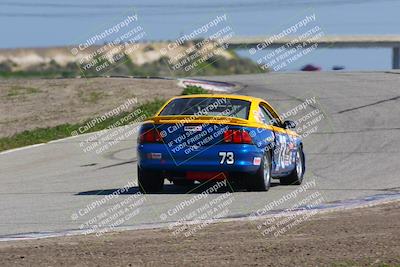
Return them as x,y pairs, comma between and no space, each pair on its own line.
91,97
21,90
194,90
38,74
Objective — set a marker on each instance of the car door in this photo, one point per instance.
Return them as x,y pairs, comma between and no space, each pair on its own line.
281,155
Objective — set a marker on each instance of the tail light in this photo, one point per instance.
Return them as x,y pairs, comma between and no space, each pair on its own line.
150,136
237,137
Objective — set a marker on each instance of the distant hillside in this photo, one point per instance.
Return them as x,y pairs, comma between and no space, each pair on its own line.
141,59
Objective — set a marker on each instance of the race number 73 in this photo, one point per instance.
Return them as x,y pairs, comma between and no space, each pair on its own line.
226,157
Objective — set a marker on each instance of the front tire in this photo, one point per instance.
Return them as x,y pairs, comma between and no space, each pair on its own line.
296,177
150,181
261,180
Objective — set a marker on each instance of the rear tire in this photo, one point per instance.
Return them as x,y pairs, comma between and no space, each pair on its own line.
150,181
261,180
296,177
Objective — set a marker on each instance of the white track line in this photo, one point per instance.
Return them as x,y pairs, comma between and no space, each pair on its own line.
37,145
21,148
245,218
59,140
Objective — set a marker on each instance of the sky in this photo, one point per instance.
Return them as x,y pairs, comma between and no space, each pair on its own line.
44,23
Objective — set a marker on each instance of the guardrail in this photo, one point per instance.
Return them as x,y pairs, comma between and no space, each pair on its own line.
345,41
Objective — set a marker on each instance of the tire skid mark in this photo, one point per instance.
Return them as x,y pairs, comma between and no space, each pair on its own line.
368,105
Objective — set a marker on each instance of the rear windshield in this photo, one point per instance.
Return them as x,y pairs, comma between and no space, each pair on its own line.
203,106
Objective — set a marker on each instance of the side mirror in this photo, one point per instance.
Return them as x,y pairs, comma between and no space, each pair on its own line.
289,124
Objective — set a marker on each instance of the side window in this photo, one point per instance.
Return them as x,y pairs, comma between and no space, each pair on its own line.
275,120
264,116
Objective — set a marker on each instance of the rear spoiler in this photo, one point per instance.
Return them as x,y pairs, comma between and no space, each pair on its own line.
198,119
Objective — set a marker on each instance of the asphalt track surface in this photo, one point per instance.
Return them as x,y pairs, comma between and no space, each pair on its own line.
353,154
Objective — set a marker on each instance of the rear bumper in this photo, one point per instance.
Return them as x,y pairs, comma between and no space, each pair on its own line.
159,157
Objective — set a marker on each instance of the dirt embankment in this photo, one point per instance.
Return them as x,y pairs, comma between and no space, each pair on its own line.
26,104
138,53
360,237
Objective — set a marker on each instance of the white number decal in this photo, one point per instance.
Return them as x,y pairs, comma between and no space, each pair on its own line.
228,156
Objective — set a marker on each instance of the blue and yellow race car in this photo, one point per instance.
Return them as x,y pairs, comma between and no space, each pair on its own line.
218,136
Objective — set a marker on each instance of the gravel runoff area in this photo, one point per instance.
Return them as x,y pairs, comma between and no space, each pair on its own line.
358,237
26,104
